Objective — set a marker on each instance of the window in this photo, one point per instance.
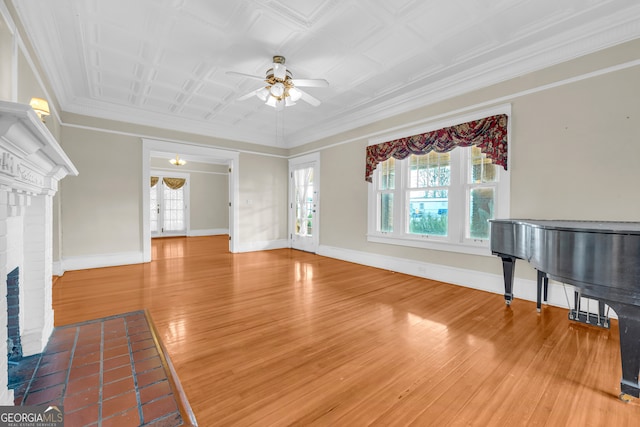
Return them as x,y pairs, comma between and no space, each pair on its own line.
428,194
438,200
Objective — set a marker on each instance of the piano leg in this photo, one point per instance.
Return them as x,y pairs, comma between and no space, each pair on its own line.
543,282
508,270
629,324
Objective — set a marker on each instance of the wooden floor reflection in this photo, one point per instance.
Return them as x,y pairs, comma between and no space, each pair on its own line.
286,337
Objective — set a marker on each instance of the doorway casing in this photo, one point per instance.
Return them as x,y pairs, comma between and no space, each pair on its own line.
188,149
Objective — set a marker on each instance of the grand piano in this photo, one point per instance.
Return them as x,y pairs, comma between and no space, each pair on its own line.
600,259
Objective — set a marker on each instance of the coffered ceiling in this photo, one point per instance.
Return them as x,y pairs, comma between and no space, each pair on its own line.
164,62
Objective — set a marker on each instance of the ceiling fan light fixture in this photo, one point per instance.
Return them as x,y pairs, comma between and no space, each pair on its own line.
271,101
288,102
262,94
279,70
294,94
277,90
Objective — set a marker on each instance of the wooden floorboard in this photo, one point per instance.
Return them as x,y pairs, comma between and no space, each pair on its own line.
284,337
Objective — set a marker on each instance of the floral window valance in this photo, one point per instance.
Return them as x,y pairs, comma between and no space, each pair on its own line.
488,134
173,183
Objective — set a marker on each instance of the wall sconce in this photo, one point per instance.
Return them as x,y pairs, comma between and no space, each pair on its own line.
177,161
41,107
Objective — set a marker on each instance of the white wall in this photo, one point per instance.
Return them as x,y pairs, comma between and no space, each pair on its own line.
209,200
101,208
263,202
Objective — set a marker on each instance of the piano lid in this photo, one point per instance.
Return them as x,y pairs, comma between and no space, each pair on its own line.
612,227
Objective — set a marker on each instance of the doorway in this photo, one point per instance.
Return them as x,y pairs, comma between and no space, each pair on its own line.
304,202
230,158
169,204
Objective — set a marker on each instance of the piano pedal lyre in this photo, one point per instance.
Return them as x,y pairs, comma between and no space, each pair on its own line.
601,319
626,398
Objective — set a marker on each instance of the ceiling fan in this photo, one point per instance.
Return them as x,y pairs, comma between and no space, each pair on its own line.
282,90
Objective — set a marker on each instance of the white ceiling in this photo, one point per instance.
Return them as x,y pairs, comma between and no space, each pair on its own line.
164,62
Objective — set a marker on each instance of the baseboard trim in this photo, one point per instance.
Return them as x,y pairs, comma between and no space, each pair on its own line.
208,232
101,260
262,245
56,268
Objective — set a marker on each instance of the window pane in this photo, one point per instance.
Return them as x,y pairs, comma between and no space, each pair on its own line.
429,170
303,183
480,211
173,209
429,212
388,174
482,169
153,205
386,213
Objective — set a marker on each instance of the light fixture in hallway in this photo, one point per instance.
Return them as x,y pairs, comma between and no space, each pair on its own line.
177,161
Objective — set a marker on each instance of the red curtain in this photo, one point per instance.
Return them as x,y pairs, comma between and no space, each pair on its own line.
488,134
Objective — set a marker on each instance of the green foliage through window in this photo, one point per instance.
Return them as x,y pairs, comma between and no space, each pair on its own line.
429,224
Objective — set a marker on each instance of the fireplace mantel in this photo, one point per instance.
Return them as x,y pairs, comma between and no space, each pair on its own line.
31,165
31,159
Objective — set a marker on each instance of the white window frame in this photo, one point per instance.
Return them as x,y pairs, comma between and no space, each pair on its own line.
459,189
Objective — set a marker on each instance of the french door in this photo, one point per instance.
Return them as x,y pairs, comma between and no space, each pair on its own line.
304,195
168,202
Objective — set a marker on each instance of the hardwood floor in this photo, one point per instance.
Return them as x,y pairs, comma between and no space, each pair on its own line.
290,338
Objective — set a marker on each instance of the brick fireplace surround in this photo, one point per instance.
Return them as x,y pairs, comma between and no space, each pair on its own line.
31,165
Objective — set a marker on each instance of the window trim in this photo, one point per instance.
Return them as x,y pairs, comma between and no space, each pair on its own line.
460,243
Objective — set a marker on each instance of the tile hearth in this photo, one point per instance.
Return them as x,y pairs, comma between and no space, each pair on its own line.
109,370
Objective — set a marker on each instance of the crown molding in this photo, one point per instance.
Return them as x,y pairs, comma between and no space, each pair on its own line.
102,110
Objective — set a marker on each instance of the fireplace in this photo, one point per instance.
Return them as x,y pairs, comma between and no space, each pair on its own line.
14,344
31,165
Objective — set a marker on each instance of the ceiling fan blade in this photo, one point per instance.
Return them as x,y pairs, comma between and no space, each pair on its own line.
248,95
308,98
235,73
310,82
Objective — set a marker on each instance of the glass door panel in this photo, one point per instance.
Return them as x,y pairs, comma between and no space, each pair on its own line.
304,208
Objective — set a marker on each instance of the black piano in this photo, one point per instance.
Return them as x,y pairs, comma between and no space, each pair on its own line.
600,259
